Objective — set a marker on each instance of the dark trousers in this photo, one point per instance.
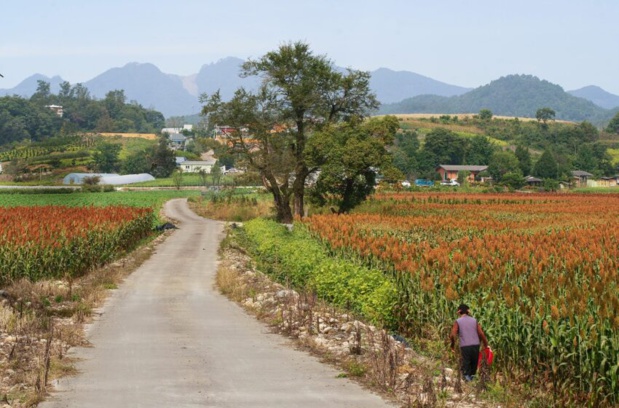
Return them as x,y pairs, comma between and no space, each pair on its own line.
470,356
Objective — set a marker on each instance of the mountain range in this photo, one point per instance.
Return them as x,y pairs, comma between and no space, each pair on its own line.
398,91
512,95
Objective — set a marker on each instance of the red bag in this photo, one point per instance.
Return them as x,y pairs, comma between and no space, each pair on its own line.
488,354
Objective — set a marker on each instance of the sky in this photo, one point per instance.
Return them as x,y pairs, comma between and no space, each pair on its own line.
469,43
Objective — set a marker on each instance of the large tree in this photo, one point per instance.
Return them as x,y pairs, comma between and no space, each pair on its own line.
43,94
479,151
405,153
585,158
613,125
350,157
163,160
300,93
502,163
444,147
543,115
106,157
546,167
524,159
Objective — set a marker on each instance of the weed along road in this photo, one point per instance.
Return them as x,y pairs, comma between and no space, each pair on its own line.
167,338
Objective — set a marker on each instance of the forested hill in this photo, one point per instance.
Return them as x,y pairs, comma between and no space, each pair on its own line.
32,119
513,95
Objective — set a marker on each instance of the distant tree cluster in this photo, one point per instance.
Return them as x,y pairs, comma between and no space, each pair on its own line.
613,125
441,146
157,160
32,119
544,149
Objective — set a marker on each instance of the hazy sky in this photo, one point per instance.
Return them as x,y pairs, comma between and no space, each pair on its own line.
572,43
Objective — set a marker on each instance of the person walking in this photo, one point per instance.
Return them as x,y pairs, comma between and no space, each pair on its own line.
470,334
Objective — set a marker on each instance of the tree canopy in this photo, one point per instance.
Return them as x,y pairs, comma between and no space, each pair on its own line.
502,163
613,125
546,167
444,147
350,157
32,119
106,157
301,93
524,159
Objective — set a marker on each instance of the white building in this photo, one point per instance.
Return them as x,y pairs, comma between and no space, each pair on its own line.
56,108
194,166
177,130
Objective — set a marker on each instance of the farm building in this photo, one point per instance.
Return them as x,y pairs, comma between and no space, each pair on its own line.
450,172
194,166
608,181
177,129
581,178
533,181
177,140
107,178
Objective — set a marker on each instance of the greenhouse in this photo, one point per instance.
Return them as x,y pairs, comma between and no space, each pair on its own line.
107,178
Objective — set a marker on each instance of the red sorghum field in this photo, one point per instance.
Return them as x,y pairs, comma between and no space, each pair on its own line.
540,272
46,242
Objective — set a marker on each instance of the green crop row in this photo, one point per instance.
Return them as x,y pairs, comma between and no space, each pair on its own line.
23,153
152,199
294,257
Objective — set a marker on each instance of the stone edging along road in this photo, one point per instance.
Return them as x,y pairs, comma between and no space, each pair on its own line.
167,338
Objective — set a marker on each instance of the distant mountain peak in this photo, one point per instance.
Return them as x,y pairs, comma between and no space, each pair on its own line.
394,86
591,88
176,95
518,95
224,62
136,67
598,96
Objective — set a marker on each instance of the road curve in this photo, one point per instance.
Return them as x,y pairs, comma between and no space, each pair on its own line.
167,338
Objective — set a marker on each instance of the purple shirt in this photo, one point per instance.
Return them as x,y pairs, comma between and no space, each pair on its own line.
467,330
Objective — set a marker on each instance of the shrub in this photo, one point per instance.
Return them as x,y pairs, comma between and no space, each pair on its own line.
296,258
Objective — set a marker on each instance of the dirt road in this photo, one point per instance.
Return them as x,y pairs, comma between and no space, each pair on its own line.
167,338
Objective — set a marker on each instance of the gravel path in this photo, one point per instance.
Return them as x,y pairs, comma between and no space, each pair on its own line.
167,338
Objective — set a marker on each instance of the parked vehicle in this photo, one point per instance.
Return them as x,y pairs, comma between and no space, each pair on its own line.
406,184
424,183
453,183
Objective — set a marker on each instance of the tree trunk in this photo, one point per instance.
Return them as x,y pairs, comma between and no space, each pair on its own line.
298,189
284,214
282,205
281,199
298,203
301,171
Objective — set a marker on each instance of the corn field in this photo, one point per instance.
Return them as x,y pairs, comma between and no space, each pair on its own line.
46,242
540,272
77,143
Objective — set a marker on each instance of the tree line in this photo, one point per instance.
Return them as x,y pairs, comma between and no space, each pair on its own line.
541,148
32,119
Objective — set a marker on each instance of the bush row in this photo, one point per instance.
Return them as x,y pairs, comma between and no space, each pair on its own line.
294,257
